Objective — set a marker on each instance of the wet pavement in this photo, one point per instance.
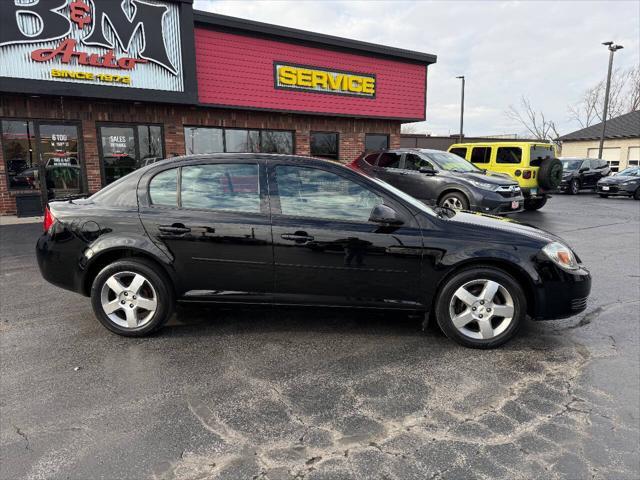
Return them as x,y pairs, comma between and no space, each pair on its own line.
325,394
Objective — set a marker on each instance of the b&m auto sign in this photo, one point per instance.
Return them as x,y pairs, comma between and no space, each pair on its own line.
131,44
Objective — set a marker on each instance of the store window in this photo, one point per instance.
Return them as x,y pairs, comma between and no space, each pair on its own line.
325,145
124,148
376,141
216,140
18,140
58,149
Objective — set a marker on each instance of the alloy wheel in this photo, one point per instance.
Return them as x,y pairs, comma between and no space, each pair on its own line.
481,309
575,187
128,299
453,202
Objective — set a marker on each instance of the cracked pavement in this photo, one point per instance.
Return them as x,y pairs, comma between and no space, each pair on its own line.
274,394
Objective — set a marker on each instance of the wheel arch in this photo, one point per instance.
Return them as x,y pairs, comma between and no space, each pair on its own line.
517,272
454,189
106,257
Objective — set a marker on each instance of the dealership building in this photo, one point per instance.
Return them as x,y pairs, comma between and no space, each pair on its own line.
91,90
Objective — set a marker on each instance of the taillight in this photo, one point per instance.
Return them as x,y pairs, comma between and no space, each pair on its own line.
526,174
49,219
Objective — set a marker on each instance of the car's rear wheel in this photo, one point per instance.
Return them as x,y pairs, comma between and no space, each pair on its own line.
534,203
636,194
574,186
481,307
454,200
132,298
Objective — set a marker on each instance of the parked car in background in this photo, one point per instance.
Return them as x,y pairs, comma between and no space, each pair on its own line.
626,182
582,173
533,165
259,228
440,178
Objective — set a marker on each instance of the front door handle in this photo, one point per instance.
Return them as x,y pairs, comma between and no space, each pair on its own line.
298,237
175,229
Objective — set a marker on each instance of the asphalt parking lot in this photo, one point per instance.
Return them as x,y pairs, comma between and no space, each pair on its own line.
320,394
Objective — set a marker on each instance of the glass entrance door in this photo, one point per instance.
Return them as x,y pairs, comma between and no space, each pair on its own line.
59,155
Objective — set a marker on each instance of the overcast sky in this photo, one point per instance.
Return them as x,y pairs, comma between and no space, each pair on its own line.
549,51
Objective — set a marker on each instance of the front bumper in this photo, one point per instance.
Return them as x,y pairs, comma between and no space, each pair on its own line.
561,293
495,204
616,189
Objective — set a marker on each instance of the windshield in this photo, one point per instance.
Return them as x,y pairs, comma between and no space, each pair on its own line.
571,164
449,161
630,172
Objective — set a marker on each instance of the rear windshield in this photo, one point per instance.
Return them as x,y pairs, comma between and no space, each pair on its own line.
539,153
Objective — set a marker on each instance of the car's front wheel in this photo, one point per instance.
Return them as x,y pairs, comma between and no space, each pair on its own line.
454,200
481,307
602,195
574,186
132,298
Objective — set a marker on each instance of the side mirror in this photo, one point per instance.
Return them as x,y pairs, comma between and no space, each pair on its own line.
427,170
385,215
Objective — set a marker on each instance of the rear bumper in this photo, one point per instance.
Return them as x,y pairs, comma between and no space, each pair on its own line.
533,193
562,293
55,267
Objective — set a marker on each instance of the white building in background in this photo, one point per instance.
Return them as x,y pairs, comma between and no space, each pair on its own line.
621,143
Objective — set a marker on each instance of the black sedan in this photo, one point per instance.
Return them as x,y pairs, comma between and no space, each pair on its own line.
442,178
626,183
234,228
582,173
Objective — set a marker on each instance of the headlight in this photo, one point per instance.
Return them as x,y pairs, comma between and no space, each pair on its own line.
561,255
628,182
484,186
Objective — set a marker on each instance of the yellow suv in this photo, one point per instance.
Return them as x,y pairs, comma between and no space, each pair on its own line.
533,165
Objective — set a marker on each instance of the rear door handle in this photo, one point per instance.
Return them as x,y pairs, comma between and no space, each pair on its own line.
174,229
300,237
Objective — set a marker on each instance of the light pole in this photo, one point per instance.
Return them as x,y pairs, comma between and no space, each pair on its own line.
461,110
612,49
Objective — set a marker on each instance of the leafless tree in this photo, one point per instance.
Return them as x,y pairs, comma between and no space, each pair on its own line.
624,97
534,121
414,128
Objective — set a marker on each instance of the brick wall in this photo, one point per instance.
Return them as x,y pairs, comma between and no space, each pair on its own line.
173,117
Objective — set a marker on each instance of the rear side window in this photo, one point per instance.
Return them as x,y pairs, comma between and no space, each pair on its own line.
315,193
460,151
371,158
389,160
232,187
509,155
163,188
481,155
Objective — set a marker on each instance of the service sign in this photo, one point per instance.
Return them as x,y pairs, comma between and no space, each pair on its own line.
322,80
128,44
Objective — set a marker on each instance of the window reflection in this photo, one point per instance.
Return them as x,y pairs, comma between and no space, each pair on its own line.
311,192
18,139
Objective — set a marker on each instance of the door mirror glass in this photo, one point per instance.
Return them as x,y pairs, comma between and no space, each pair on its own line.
385,215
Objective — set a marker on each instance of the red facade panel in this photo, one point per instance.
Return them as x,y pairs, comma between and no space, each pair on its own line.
237,70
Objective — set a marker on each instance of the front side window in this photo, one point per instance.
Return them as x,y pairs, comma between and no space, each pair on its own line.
315,193
509,155
389,160
232,187
324,144
163,188
18,140
376,141
481,155
415,162
203,140
460,151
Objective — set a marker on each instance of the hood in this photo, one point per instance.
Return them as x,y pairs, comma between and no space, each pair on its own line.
615,179
489,177
503,224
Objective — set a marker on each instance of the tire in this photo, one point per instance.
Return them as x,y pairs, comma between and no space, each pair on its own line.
534,203
636,194
574,187
487,332
455,200
139,283
550,174
602,195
